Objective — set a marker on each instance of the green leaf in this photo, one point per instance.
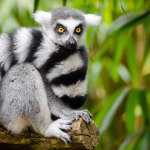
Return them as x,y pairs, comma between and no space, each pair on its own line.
123,9
146,140
94,71
94,30
119,26
147,38
109,102
36,3
132,64
117,57
130,105
139,142
110,115
129,139
101,1
104,48
124,73
144,106
64,2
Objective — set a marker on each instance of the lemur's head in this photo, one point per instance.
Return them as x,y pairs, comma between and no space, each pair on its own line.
66,26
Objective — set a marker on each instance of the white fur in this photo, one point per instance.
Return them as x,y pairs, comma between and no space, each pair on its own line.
44,109
81,40
54,129
44,52
70,24
22,41
5,53
78,89
42,17
71,64
18,125
51,34
92,20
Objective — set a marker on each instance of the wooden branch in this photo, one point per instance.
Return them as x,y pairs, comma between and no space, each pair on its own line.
84,137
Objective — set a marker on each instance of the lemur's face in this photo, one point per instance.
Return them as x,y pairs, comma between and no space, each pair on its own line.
66,26
69,33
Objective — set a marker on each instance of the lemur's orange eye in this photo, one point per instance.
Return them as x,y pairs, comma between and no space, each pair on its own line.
78,30
60,30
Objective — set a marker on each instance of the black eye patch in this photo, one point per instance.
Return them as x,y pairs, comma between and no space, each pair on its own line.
60,26
80,26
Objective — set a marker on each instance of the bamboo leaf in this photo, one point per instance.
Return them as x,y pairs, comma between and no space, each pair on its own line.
123,9
109,102
129,139
64,2
146,139
110,115
94,71
130,105
117,57
144,106
120,26
138,142
147,39
124,73
132,64
101,1
36,3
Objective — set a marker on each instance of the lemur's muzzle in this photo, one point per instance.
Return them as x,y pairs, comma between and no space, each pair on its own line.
71,43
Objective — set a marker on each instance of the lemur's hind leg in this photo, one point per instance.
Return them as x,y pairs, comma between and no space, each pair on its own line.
23,103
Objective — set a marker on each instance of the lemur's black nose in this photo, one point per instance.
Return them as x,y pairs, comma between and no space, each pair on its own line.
71,43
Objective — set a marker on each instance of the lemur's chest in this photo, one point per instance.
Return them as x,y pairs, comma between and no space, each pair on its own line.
66,67
68,79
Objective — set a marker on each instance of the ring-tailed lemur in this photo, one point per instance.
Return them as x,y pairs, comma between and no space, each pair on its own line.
44,72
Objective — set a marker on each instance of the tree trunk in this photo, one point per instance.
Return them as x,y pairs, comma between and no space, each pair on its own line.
84,137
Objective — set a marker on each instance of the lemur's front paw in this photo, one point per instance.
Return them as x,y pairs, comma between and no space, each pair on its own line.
85,114
54,129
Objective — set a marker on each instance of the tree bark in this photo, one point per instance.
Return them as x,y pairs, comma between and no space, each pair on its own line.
84,137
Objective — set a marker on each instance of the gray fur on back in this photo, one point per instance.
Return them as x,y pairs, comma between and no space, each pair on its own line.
18,96
65,13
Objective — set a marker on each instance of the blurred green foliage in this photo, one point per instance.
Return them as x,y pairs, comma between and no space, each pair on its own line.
119,72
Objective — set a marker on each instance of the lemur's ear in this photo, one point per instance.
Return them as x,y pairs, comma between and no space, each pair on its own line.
92,20
42,17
